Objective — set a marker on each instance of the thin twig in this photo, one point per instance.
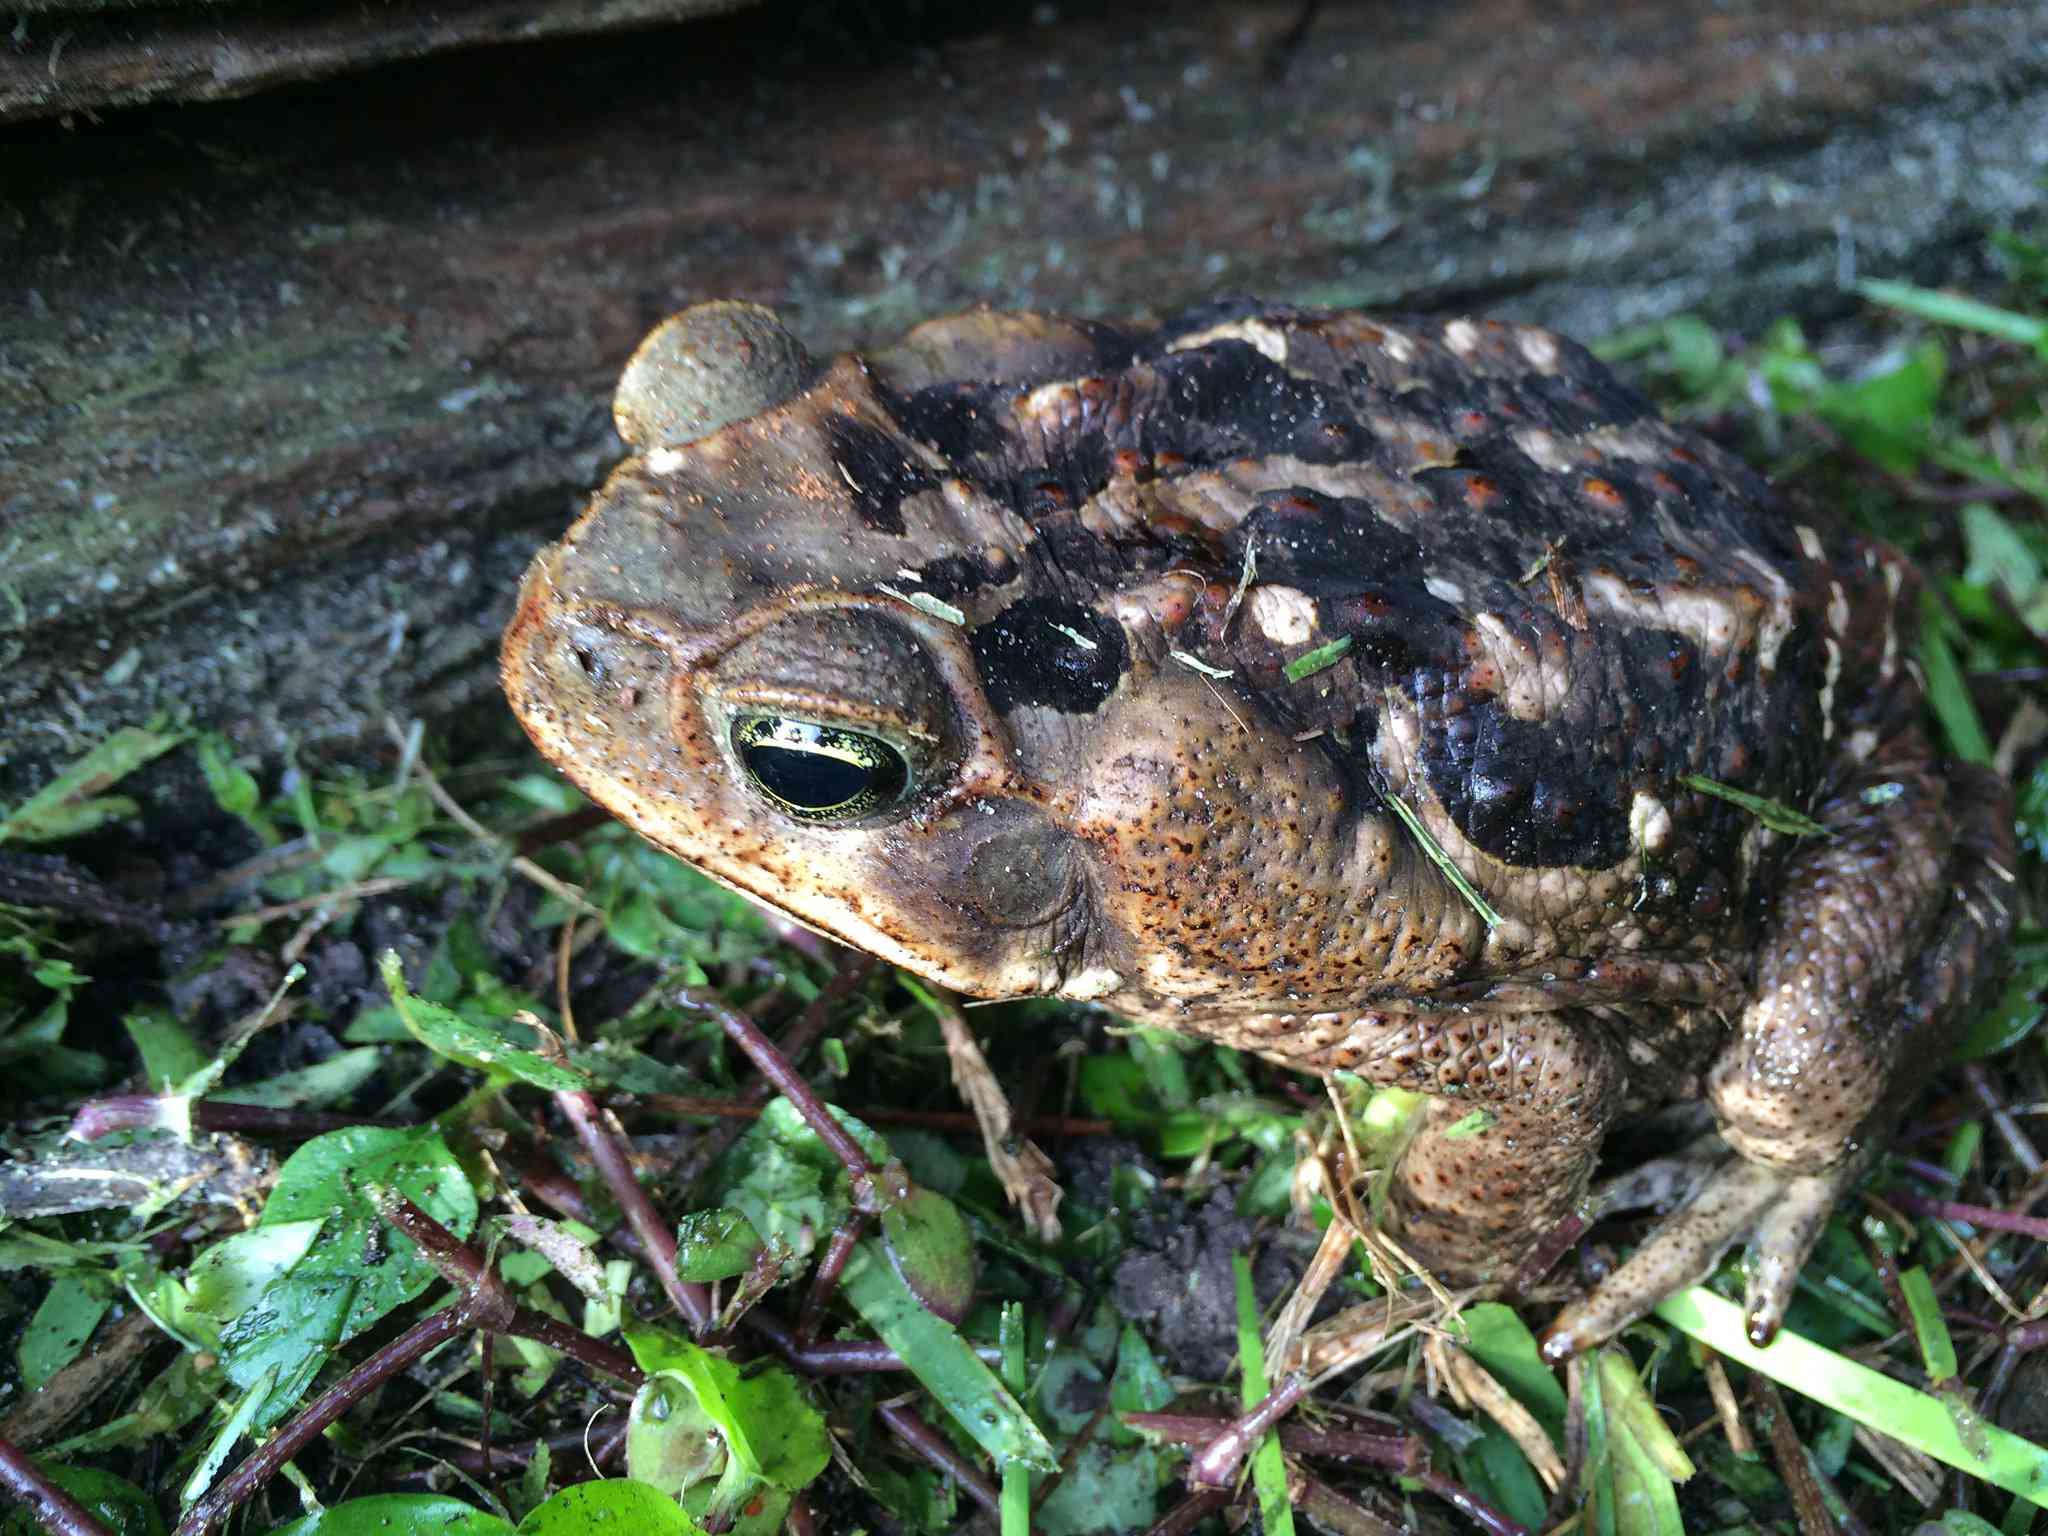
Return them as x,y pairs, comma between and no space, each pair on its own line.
1216,1465
936,1449
256,1469
1182,1519
604,1145
453,809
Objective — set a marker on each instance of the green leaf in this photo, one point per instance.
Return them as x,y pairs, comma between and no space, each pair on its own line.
63,1322
123,1508
788,1183
715,1245
1434,852
769,1425
357,1271
1930,1329
1269,1466
502,1051
169,1053
1947,693
927,1240
71,803
614,1506
1501,1341
1644,1456
239,1423
671,1443
943,1362
398,1514
322,1084
1954,310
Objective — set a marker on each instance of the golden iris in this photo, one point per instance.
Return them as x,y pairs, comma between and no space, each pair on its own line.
819,772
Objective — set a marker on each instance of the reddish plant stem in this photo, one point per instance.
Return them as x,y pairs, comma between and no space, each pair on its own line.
256,1469
1329,1510
825,1279
463,1266
54,1509
1402,1453
791,1084
484,1304
1480,1513
800,1521
1215,1466
605,1146
831,1357
939,1452
853,971
576,1344
827,1357
1987,1217
1189,1513
603,1443
96,1118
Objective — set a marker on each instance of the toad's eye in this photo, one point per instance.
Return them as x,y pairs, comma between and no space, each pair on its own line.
819,772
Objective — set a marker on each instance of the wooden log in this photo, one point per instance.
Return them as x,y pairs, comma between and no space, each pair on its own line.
290,386
71,56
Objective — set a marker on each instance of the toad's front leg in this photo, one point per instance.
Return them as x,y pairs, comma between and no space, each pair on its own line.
1886,936
1518,1105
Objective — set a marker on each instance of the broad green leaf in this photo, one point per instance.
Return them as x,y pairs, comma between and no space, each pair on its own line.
927,1240
398,1514
320,1085
768,1423
787,1183
1139,1385
943,1362
715,1245
615,1506
123,1508
169,1053
671,1442
358,1270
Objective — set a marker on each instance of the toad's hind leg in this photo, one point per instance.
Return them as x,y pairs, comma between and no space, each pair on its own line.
1887,934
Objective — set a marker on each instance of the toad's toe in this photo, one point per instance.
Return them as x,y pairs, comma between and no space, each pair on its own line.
1780,1214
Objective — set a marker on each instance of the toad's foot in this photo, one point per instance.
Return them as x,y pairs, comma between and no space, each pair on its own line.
1721,1199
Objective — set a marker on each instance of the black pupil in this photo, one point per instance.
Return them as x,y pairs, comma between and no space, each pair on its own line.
809,779
827,773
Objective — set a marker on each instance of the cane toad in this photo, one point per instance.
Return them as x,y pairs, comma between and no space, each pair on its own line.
1169,669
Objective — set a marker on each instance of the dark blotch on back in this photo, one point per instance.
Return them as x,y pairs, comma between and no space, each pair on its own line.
877,470
1024,659
1228,400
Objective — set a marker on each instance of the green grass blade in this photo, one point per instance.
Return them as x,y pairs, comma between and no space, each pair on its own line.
943,1362
1890,1407
1269,1467
1016,1501
1953,309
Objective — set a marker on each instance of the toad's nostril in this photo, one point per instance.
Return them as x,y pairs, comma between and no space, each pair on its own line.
609,669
